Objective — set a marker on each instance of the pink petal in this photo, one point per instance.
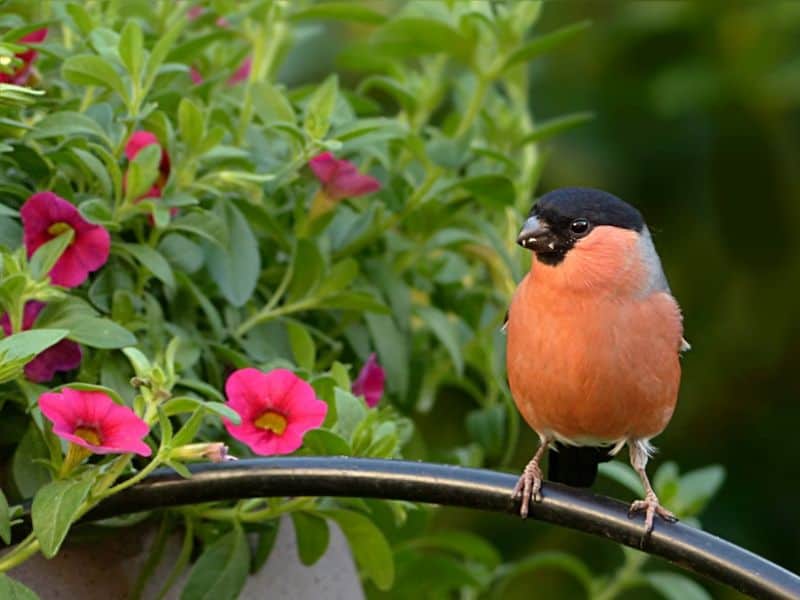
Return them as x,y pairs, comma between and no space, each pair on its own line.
63,356
92,248
35,36
242,73
370,381
244,390
324,166
194,12
59,411
195,76
139,140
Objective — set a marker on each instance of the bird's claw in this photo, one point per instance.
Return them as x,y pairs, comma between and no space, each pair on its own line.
528,486
652,507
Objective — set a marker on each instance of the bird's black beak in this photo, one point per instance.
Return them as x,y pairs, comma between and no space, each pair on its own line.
536,236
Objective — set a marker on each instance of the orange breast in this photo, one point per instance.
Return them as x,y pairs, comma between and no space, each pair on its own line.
593,363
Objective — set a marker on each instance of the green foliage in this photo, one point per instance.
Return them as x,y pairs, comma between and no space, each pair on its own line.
217,262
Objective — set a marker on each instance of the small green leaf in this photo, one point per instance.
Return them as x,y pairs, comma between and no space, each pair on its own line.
302,345
14,590
623,475
696,488
463,543
221,571
131,48
90,69
142,172
204,224
47,255
307,269
236,269
548,560
446,331
494,191
341,275
271,104
100,333
350,412
26,344
184,404
538,46
55,507
369,546
323,442
29,474
191,124
189,430
313,536
152,260
674,586
5,519
392,348
320,108
160,51
68,124
552,127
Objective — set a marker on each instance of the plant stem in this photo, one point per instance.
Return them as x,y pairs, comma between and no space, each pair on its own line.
474,106
24,550
627,576
267,314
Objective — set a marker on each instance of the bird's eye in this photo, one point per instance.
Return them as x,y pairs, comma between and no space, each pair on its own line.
579,226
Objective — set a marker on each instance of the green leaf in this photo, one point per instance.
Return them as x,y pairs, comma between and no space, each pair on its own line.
152,260
14,590
696,488
622,474
29,343
350,411
160,51
313,536
47,255
221,571
343,11
447,333
189,430
271,104
341,275
68,124
323,442
674,586
100,333
204,224
462,543
81,17
131,48
236,269
90,69
99,175
538,46
358,301
184,404
392,348
494,191
487,426
307,268
302,345
415,36
55,507
547,560
320,108
369,546
552,127
29,474
5,520
191,124
142,172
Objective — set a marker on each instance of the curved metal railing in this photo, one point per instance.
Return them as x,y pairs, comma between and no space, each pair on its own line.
690,548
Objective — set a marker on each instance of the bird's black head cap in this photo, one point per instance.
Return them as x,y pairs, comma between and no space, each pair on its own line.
561,217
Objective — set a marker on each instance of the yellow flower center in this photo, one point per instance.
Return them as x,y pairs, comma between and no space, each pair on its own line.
58,228
272,421
89,434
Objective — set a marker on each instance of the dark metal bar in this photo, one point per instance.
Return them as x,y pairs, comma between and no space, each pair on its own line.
685,546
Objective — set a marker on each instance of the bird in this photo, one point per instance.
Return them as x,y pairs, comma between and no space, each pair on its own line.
594,338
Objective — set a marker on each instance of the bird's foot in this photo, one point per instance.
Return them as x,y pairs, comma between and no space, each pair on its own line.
652,507
529,486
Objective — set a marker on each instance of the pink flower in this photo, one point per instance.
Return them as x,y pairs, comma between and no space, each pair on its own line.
277,409
21,74
195,12
340,178
45,216
63,356
242,73
94,421
370,381
195,76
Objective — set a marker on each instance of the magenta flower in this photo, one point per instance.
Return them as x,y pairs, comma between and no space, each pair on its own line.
140,140
63,356
341,178
242,73
21,74
195,76
277,409
93,420
45,216
370,381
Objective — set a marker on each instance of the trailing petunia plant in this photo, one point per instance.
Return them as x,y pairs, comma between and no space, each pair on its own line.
215,243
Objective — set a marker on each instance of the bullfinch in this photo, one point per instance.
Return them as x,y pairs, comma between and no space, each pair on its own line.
593,341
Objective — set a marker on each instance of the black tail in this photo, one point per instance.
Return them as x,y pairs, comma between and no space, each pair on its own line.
575,465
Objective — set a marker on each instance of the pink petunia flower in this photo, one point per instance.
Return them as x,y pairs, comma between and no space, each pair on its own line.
242,73
21,74
45,216
340,178
93,420
195,75
277,409
370,382
62,356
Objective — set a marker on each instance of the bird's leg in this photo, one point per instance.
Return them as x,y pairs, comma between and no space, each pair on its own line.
650,504
530,482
